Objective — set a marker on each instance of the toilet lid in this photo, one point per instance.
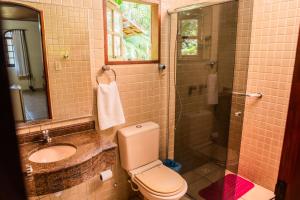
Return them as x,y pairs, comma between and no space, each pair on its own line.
161,179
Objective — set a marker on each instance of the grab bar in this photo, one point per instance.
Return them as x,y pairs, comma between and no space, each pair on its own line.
257,94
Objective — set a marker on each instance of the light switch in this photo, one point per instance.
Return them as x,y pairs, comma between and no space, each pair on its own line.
58,66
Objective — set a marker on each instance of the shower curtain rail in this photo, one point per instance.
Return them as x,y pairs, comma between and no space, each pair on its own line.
196,5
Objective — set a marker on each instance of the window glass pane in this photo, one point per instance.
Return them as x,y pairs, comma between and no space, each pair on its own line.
138,14
138,48
117,22
189,47
9,42
10,54
137,30
11,61
189,27
117,46
8,34
110,46
9,48
130,37
109,19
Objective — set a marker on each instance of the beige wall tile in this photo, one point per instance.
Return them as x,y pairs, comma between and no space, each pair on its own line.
272,54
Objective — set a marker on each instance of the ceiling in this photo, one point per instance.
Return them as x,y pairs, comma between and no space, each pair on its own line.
10,11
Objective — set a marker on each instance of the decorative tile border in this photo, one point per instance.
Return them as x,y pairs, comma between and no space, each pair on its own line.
55,132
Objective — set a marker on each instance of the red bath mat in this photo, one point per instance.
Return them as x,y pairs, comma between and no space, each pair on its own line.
231,187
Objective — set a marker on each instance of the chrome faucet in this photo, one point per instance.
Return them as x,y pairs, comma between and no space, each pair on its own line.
46,136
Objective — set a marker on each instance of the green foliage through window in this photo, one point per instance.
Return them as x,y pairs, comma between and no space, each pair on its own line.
189,47
138,46
129,30
118,2
189,27
189,34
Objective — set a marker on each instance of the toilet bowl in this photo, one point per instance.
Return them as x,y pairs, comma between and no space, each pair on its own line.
139,153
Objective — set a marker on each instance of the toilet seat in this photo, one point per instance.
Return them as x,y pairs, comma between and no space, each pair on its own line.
160,182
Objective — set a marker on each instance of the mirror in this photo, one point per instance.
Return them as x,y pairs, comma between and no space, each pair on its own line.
25,59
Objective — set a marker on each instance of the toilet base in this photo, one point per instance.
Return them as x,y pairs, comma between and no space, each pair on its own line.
148,196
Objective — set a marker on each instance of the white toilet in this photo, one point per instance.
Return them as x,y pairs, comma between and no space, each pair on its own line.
139,152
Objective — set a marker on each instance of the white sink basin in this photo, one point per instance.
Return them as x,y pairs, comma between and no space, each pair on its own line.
52,153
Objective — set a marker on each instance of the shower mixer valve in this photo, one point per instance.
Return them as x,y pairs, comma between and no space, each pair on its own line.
191,89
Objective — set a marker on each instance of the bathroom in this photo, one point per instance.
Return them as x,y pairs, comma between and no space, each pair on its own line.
213,79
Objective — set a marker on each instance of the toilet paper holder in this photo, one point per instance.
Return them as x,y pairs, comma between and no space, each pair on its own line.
106,175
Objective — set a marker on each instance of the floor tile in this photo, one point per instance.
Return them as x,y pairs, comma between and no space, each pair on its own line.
203,176
216,175
195,187
207,168
258,193
185,198
191,177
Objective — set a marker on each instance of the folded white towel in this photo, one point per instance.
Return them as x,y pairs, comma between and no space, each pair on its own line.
110,110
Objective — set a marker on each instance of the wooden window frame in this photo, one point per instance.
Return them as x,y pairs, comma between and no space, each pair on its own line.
114,34
157,23
182,38
7,51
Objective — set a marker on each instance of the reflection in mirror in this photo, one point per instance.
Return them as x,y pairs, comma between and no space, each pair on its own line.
25,61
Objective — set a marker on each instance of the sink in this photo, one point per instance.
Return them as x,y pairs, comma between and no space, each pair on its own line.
52,153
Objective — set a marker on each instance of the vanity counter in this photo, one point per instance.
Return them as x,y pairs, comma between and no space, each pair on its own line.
92,156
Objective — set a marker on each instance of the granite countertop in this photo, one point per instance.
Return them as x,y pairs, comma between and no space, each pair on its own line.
88,144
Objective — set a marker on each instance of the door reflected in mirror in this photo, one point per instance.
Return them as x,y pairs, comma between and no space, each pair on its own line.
25,60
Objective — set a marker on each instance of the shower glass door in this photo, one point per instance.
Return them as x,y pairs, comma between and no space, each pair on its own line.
204,73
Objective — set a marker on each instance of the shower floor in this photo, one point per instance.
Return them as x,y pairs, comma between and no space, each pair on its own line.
206,174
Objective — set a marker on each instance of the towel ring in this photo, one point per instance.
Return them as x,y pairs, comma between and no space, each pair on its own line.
107,68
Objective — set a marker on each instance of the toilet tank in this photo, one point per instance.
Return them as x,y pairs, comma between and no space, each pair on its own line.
138,145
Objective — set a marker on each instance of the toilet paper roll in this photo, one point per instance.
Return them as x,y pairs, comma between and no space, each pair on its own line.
106,175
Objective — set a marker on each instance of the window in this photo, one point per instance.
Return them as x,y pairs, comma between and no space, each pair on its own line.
9,53
132,32
189,37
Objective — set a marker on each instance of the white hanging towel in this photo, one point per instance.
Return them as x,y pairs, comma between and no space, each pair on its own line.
110,110
212,89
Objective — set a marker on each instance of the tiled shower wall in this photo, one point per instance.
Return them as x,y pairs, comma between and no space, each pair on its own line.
272,55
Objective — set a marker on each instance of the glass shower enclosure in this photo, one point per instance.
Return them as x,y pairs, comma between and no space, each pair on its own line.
204,58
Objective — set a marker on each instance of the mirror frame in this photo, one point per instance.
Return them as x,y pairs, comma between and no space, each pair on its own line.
43,42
